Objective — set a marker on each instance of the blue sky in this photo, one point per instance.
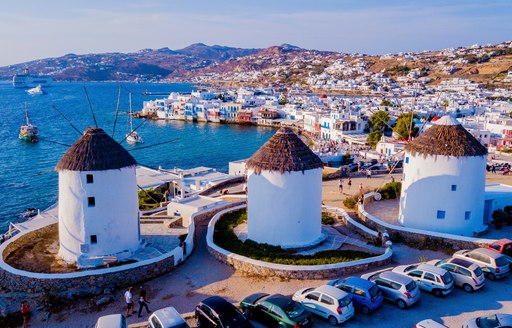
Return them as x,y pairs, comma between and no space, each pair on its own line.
33,29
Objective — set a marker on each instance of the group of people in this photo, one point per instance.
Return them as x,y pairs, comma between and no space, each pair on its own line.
143,302
340,185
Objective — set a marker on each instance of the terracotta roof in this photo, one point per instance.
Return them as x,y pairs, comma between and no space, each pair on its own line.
284,152
95,151
446,137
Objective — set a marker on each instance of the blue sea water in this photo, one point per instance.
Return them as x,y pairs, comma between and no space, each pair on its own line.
27,175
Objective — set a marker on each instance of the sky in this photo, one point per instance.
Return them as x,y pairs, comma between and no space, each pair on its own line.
35,29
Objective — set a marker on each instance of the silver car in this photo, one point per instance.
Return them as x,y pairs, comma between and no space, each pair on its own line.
467,275
396,288
496,321
493,264
429,278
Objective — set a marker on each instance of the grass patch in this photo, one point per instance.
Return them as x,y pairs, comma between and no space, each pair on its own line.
328,218
225,238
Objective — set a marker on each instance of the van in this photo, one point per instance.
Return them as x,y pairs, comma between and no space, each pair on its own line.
493,264
111,321
166,318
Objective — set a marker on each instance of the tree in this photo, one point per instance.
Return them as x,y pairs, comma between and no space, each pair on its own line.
379,121
405,126
374,138
386,103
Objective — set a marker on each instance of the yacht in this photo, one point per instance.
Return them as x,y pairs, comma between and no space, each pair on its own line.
28,132
133,136
36,91
25,80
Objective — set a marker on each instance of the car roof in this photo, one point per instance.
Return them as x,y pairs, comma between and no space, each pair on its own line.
359,282
331,291
431,268
487,252
502,241
279,300
396,277
169,316
218,304
461,262
504,319
110,320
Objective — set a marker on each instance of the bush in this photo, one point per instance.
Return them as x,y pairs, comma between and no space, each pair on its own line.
328,218
391,190
149,199
508,210
350,202
498,218
225,238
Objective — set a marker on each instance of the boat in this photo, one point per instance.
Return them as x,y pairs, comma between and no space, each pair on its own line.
28,132
25,80
133,136
36,91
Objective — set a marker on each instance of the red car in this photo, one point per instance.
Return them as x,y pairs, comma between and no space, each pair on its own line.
503,246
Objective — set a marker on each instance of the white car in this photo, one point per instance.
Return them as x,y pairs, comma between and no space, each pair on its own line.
111,321
430,278
166,318
429,323
326,301
492,321
467,275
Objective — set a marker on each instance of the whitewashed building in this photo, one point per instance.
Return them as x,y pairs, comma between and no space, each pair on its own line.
284,180
98,203
444,180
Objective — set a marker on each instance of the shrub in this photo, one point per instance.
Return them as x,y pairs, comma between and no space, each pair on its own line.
391,190
350,202
149,199
498,218
328,218
225,238
508,210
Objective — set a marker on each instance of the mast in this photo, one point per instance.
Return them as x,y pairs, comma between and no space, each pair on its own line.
26,113
130,100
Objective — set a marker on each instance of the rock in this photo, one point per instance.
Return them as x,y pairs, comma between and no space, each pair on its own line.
107,291
104,300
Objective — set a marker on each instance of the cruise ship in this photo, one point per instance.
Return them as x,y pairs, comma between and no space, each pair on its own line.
25,80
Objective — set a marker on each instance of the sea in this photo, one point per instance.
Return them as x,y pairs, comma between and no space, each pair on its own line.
28,178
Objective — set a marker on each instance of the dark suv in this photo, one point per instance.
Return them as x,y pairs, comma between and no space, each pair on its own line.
219,313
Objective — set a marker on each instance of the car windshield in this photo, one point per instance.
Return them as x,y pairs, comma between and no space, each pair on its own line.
488,322
232,318
344,301
374,291
293,310
447,278
478,271
501,261
410,286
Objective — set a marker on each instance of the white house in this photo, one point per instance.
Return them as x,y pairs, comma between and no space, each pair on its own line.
284,180
98,204
443,183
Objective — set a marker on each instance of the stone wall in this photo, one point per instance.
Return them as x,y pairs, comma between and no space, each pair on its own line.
266,269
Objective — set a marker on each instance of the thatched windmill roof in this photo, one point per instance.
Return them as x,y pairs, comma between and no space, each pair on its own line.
446,137
95,151
284,152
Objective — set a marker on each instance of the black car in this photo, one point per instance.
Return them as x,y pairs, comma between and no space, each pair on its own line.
218,313
276,311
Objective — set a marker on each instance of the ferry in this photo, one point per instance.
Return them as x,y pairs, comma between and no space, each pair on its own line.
25,80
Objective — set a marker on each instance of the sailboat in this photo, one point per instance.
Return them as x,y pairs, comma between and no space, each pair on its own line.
28,132
38,90
133,136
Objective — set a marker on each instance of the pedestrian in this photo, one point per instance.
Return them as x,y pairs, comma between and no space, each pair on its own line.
361,187
128,298
392,179
349,183
493,169
368,174
143,302
25,313
340,185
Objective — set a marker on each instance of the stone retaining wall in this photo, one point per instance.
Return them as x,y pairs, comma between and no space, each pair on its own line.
417,237
266,269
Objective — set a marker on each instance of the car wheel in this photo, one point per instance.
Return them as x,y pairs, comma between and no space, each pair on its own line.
365,309
491,276
247,313
437,293
332,320
401,304
467,288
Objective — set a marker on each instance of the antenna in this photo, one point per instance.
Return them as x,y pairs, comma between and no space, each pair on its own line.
117,110
55,142
90,107
67,120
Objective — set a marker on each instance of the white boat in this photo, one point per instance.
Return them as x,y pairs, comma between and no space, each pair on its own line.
133,136
25,80
36,91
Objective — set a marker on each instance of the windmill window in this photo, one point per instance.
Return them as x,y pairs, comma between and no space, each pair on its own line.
407,160
89,178
91,201
467,215
454,187
441,215
94,239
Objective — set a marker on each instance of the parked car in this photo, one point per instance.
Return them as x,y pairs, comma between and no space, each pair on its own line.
216,312
467,275
166,318
429,278
492,321
111,321
503,246
327,302
493,264
396,288
276,311
365,294
429,323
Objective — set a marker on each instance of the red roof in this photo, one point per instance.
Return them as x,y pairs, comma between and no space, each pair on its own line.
323,96
435,118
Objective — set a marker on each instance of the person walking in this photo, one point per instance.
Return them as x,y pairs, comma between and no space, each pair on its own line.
340,186
368,174
349,183
25,313
361,187
143,302
128,299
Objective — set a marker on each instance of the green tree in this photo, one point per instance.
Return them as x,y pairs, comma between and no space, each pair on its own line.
405,126
379,121
386,103
373,138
